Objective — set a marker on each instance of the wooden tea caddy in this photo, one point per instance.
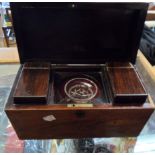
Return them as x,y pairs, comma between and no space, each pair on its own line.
104,35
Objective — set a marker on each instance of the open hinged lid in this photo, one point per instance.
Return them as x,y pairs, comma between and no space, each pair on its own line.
74,33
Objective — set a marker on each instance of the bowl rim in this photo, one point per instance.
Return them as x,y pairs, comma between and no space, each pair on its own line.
80,100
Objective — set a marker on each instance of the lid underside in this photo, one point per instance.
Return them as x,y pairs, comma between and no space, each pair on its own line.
75,33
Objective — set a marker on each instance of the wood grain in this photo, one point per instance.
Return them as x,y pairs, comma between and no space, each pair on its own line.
32,86
119,64
37,65
126,86
101,120
75,123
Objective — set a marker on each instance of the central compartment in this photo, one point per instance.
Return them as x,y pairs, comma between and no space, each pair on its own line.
80,85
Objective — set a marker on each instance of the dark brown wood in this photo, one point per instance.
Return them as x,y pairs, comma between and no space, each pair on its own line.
94,122
119,64
73,42
126,85
39,65
100,120
63,45
32,86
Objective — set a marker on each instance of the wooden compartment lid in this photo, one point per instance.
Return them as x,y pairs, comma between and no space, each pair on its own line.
78,33
127,87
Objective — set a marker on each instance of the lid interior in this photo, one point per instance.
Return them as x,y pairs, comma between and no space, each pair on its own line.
75,33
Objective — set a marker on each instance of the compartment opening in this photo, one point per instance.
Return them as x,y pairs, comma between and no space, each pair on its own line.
75,85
